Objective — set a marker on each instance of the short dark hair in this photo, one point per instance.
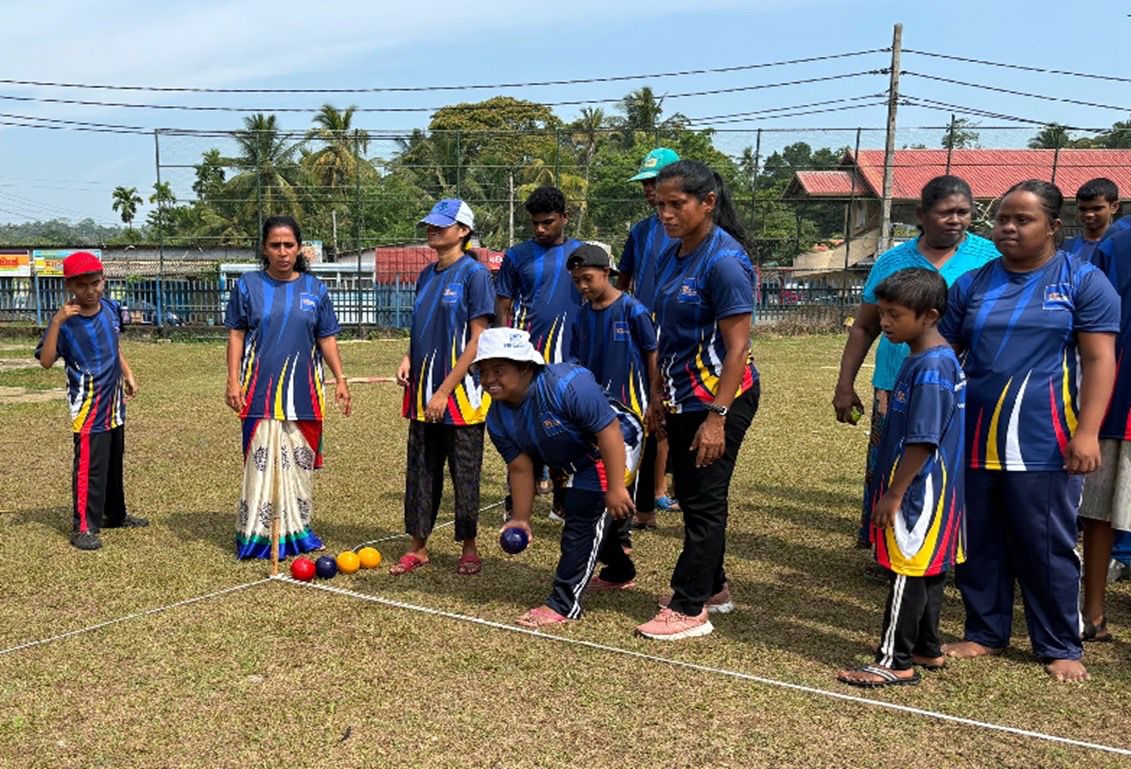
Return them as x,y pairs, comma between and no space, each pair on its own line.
1052,200
546,200
916,289
942,187
272,222
1100,187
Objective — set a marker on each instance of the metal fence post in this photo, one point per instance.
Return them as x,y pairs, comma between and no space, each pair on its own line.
160,233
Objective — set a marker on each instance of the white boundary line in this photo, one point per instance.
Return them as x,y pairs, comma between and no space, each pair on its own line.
135,615
717,671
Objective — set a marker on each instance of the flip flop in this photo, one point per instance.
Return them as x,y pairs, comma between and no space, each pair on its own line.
1096,633
469,564
887,678
408,563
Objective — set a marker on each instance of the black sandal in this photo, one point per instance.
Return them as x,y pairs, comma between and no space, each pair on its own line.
886,675
1096,633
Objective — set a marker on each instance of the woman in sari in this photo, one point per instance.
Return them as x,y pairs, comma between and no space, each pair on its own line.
281,327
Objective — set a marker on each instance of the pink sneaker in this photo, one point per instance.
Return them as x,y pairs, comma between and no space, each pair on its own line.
598,585
720,603
670,625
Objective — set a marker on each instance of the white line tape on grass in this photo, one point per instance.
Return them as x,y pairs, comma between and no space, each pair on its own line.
135,615
452,522
717,671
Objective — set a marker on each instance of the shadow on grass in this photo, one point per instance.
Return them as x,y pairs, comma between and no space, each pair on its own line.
55,518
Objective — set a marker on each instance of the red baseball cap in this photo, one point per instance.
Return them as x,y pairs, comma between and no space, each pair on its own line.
81,263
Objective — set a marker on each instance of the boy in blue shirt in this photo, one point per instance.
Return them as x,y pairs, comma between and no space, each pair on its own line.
84,333
1097,204
613,337
556,414
639,269
917,492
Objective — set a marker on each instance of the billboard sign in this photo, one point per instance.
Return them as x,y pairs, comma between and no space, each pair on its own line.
49,261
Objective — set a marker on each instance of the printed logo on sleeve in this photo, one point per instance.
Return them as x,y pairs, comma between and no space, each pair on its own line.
308,302
1058,296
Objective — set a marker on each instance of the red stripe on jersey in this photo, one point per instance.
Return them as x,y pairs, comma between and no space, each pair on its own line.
974,444
1061,439
602,477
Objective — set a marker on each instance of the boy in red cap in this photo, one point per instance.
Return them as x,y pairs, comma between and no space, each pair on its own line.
84,333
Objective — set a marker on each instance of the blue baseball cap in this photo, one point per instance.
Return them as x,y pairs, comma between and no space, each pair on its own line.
448,212
653,162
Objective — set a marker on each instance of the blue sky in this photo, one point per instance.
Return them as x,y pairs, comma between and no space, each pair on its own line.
282,44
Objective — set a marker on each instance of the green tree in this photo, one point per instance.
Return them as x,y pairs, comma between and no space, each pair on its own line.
269,181
960,135
338,170
209,175
1118,137
126,201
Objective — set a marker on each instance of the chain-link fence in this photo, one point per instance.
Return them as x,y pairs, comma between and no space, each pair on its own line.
809,198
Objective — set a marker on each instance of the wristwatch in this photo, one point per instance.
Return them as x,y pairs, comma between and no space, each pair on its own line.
718,409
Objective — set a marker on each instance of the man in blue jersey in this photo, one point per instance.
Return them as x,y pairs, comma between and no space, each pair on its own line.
614,338
639,269
84,333
1097,203
534,292
558,415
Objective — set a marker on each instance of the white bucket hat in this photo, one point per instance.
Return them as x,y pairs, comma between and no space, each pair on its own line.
508,343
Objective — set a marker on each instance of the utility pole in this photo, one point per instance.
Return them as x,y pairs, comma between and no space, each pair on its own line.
510,206
889,143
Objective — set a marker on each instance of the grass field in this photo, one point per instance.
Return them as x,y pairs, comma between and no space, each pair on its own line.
279,674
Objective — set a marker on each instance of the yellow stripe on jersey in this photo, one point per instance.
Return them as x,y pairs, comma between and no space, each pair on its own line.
248,366
993,460
319,387
86,387
279,412
1066,393
915,564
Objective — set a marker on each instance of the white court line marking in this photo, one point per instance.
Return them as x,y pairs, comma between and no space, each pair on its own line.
717,671
135,615
438,526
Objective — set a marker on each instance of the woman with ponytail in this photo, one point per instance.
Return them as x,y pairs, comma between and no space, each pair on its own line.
708,389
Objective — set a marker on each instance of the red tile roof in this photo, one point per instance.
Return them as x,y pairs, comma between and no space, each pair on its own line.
989,172
829,183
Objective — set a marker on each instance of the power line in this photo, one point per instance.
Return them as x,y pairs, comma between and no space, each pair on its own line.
431,88
784,109
1023,67
799,113
577,102
1010,91
915,101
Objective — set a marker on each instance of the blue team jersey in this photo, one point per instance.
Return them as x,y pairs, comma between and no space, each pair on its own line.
446,302
281,372
557,424
1113,256
714,281
88,347
544,298
1018,333
647,243
972,253
927,406
611,343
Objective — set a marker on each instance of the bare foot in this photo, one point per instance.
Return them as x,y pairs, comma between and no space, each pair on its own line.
930,663
969,649
1067,670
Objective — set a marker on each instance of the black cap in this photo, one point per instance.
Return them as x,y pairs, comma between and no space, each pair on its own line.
589,255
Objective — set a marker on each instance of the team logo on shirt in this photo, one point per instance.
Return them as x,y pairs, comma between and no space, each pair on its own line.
620,331
451,295
551,425
308,302
1058,296
900,398
689,291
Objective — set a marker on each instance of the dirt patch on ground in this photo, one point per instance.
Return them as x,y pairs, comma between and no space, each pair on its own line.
11,364
25,395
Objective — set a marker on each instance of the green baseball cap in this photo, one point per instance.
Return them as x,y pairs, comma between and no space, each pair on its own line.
653,162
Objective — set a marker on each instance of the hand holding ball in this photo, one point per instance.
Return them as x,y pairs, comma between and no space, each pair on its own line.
513,540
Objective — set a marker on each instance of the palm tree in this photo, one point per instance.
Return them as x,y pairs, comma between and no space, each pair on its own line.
270,176
587,132
336,163
126,201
